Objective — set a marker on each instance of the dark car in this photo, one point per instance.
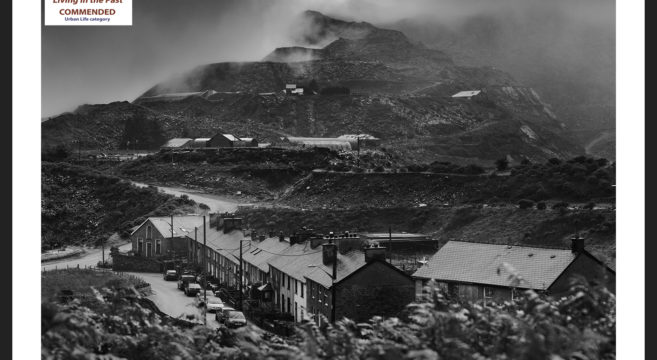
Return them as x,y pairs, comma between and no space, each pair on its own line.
184,280
170,275
191,289
235,319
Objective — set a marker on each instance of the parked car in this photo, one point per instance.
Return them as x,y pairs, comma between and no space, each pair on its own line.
208,293
235,319
183,280
170,275
212,303
192,289
221,315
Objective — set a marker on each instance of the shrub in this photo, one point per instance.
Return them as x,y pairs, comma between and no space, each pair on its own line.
554,161
473,169
525,204
589,206
560,205
541,206
502,164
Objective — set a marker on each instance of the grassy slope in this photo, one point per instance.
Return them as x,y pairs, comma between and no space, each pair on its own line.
82,206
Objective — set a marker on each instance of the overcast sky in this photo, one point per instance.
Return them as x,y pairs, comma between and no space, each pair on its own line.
100,64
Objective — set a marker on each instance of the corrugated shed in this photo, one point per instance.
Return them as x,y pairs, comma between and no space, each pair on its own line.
200,142
231,137
176,142
356,136
329,143
492,264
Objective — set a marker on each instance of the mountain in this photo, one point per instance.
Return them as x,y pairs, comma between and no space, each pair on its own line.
571,64
399,90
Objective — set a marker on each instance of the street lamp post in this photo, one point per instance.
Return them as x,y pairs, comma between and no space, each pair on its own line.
333,276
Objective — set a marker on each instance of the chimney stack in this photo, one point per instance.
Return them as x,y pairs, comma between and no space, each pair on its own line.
329,253
577,244
374,252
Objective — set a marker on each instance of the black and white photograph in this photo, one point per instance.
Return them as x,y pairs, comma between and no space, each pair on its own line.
347,179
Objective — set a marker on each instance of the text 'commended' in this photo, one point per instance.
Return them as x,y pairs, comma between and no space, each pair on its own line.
88,12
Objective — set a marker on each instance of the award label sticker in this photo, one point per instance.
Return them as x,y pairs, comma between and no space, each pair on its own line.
88,12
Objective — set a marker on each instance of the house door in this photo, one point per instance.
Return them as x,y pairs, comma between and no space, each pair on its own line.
149,249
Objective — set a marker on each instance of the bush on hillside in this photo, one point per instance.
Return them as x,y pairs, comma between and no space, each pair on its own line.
525,204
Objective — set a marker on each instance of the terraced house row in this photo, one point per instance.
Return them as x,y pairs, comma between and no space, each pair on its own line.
306,275
303,277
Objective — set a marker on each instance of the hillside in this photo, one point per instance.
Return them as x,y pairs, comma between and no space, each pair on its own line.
570,63
577,180
399,90
80,206
499,224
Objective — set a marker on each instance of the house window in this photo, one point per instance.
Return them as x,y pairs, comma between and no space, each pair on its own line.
140,245
158,247
488,294
515,294
288,284
296,287
302,294
149,232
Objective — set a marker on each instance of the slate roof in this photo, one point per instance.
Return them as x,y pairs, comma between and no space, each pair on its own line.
492,264
468,93
293,260
182,225
261,252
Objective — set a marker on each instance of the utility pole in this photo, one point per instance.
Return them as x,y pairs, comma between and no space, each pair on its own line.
205,281
241,277
195,242
390,243
333,276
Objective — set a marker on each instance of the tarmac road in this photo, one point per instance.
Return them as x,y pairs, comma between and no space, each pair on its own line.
174,302
90,258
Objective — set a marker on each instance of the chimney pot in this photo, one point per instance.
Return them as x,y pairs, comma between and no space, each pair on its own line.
329,253
577,244
375,252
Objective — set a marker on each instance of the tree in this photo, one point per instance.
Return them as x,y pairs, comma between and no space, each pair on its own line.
502,164
525,204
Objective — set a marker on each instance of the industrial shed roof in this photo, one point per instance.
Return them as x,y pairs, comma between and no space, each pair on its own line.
176,143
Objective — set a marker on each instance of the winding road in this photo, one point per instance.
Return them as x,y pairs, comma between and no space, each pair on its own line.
216,203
